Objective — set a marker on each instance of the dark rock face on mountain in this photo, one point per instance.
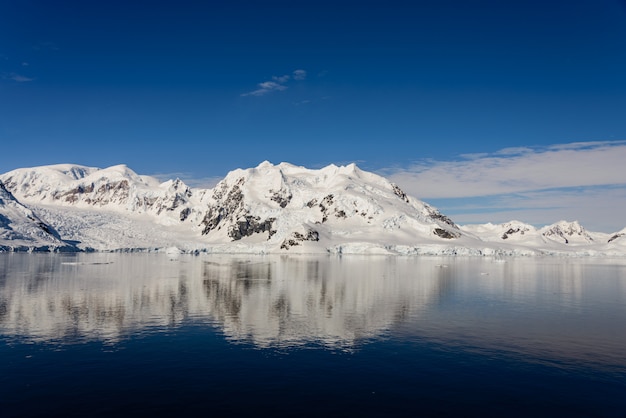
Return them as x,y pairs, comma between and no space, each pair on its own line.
515,230
228,210
447,234
251,225
297,238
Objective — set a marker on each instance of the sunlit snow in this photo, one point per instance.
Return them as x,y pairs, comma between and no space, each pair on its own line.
266,209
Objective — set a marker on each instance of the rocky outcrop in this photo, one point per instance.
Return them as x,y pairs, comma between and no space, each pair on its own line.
228,206
515,230
445,233
398,192
297,238
228,210
437,216
250,225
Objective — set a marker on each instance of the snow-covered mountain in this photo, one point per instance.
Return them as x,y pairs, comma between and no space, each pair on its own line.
269,208
288,206
567,233
116,188
513,231
618,238
21,229
562,232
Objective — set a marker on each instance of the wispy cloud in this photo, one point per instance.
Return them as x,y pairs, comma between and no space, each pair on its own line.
584,181
277,83
572,165
282,79
299,75
266,87
16,77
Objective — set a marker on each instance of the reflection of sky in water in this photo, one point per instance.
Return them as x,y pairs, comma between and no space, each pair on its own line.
548,310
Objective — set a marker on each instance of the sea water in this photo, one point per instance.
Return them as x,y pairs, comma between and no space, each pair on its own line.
155,334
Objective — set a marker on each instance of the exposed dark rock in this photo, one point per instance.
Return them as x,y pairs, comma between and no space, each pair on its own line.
231,204
251,225
282,199
326,202
222,188
616,236
512,231
72,195
312,203
311,235
4,221
287,243
442,233
10,184
436,215
47,229
340,214
328,199
115,191
398,192
184,214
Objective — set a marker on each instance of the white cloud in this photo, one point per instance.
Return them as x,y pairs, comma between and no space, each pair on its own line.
277,83
584,181
266,87
505,172
282,79
299,75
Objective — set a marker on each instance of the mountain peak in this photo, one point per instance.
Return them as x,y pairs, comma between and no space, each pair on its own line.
567,232
264,165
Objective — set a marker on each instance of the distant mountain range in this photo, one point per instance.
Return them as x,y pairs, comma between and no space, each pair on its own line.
267,209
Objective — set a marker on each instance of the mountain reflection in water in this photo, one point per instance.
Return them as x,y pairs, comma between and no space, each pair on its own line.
267,300
543,309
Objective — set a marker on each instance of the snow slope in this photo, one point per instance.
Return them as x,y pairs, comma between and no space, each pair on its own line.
272,209
22,230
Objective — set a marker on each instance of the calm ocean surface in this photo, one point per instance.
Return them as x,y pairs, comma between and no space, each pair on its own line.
142,334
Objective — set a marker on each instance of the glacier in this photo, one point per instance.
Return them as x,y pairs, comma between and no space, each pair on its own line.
282,208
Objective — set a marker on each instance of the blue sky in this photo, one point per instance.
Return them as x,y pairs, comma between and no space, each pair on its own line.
403,88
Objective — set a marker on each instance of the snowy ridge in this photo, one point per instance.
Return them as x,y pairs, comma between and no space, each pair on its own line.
116,188
618,238
270,208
